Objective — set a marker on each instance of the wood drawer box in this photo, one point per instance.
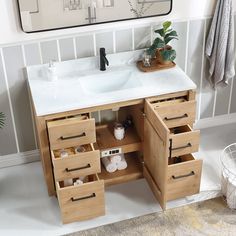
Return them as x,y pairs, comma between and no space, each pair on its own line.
79,164
183,140
81,202
71,132
183,179
175,112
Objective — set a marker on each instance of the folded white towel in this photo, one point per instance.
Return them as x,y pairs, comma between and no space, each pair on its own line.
115,159
122,164
109,166
68,182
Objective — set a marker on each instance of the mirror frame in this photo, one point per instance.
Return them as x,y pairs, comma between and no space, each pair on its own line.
97,23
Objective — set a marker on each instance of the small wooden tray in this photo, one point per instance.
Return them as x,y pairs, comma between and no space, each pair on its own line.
155,65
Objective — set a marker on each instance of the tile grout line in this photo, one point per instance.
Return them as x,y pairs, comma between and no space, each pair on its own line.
202,71
114,41
58,50
10,101
40,53
214,103
133,46
230,95
30,102
187,48
74,48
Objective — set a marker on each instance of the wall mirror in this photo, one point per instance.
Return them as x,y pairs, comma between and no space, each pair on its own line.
41,15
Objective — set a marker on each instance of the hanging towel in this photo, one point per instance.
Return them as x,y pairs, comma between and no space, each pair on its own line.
220,44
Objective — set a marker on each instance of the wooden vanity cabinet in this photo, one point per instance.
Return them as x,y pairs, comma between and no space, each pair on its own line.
169,139
158,147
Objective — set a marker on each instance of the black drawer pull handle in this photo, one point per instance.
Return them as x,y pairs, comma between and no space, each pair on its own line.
83,198
72,137
183,176
176,118
182,147
79,168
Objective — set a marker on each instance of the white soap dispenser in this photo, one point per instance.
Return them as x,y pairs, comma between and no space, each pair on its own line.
52,72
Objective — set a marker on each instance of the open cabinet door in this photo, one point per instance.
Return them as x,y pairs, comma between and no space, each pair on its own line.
156,152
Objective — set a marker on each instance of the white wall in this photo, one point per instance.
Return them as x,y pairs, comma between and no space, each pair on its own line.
10,30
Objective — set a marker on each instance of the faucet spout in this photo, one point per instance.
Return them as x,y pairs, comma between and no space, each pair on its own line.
103,59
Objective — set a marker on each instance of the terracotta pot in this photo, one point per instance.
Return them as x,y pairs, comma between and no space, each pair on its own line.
159,57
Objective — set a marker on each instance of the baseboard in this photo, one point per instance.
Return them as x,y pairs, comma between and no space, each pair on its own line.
19,158
215,121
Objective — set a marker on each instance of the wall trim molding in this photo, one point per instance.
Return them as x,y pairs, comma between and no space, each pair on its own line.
215,121
19,158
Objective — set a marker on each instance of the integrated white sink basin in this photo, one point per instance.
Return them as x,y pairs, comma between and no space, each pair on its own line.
81,84
106,82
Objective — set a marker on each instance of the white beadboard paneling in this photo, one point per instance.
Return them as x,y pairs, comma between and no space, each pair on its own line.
49,51
66,49
195,53
95,115
19,96
124,40
181,44
32,54
105,40
222,99
233,98
108,116
7,135
84,46
207,92
142,37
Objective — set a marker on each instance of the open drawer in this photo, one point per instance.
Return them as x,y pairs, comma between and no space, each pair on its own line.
174,112
183,140
71,132
75,164
180,139
81,202
183,178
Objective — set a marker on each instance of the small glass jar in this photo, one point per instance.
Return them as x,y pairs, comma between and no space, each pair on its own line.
146,59
119,131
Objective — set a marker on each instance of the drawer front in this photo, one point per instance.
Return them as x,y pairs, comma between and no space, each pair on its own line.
81,202
71,132
185,142
177,114
184,178
82,164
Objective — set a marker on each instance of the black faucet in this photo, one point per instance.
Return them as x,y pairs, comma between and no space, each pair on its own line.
103,59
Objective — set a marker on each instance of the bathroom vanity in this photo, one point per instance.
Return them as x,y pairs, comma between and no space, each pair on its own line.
158,147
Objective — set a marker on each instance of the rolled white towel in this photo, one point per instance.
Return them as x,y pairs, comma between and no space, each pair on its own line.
122,164
115,159
109,166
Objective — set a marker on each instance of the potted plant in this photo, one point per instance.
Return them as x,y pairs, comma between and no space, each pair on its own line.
2,119
160,48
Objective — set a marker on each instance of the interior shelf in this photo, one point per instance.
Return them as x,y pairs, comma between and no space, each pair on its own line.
134,171
106,139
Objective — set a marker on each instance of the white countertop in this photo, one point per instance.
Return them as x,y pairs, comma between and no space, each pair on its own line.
67,94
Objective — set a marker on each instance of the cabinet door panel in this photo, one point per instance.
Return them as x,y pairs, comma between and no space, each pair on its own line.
155,162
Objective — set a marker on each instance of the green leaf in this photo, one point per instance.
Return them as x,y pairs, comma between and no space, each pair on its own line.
160,31
166,25
168,55
167,40
172,33
158,43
